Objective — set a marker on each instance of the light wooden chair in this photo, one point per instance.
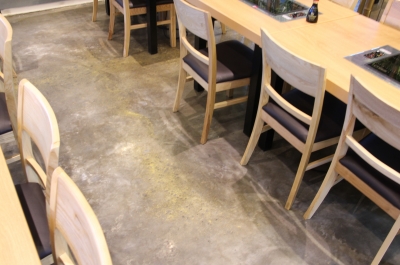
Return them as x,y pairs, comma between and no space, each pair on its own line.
220,67
370,165
308,117
138,7
37,125
8,104
72,220
391,14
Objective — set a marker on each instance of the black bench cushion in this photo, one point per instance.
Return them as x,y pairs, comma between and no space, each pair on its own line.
331,121
389,155
234,61
34,206
5,123
142,3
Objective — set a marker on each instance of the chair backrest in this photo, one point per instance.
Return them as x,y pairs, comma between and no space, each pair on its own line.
351,4
296,71
37,123
199,23
391,14
379,117
6,74
72,218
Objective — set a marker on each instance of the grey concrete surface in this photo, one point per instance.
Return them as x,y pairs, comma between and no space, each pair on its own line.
160,196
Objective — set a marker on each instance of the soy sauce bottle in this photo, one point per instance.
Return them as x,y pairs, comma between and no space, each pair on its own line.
312,15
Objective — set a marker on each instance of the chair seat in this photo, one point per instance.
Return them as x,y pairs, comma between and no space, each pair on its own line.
384,186
234,61
331,121
142,3
5,123
33,204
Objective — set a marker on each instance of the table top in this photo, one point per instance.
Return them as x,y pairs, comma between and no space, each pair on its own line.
16,243
236,14
327,45
339,32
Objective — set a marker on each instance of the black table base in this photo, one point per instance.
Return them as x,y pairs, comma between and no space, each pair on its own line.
199,44
151,26
266,139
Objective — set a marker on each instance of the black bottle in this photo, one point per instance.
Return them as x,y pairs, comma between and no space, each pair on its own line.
312,15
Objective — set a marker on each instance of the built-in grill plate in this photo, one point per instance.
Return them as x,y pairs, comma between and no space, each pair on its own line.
381,61
281,10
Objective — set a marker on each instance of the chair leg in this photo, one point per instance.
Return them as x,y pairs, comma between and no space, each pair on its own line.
172,27
127,34
229,93
326,186
13,159
95,5
299,177
208,115
255,135
179,91
223,28
395,229
112,20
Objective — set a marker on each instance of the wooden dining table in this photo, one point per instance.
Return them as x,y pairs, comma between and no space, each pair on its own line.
338,33
247,20
16,243
328,45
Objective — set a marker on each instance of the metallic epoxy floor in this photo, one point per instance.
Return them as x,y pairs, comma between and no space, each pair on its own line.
160,196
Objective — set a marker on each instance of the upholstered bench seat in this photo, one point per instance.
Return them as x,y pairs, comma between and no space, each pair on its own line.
384,186
5,123
33,203
331,121
234,61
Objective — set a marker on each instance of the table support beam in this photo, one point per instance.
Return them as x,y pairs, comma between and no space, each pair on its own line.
199,44
266,139
151,26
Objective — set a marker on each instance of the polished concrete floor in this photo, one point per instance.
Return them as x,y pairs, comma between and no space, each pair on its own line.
160,196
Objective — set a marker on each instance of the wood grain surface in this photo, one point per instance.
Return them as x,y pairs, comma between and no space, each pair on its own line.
16,243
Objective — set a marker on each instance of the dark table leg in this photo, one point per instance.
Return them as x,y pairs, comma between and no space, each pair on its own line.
107,3
199,44
254,91
151,26
265,141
